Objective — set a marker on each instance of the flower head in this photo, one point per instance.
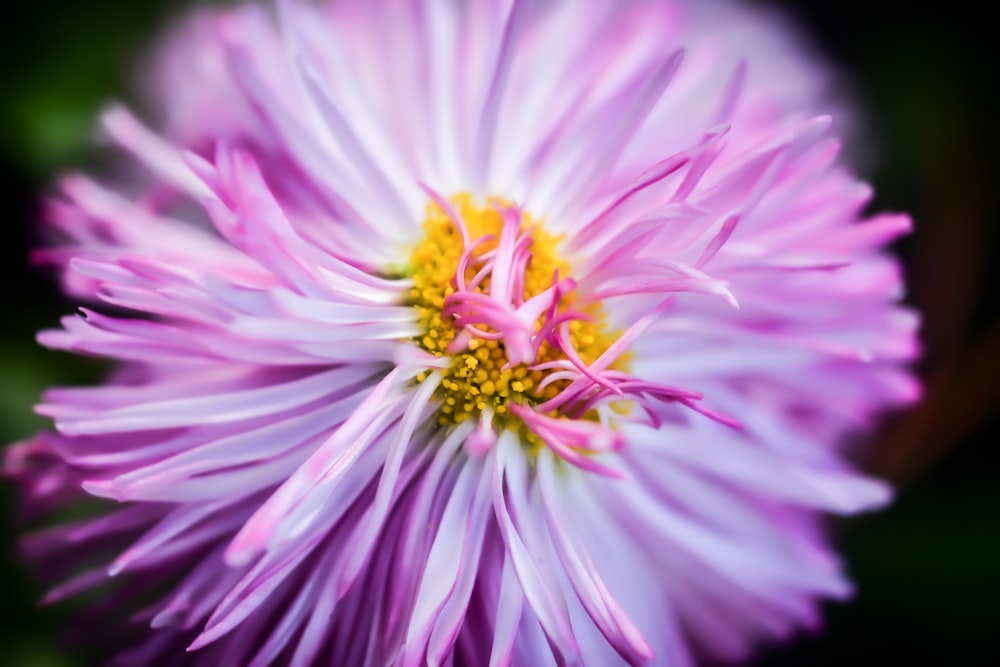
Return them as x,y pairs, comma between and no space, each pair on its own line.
479,332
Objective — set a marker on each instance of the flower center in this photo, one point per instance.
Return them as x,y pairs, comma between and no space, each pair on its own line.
493,294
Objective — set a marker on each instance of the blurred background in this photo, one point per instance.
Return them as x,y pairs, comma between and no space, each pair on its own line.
927,569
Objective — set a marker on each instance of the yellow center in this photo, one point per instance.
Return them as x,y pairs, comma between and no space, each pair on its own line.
476,379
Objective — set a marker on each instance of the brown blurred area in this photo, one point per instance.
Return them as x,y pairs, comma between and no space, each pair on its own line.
926,569
940,66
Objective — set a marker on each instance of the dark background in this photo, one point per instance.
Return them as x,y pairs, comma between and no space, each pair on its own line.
927,569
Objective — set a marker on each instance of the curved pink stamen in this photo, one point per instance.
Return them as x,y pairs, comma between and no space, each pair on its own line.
465,259
501,285
566,346
573,440
545,333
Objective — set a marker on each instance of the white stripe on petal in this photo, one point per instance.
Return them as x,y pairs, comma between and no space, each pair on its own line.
591,590
541,589
218,408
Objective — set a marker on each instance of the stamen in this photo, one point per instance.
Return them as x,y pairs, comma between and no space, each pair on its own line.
491,292
520,348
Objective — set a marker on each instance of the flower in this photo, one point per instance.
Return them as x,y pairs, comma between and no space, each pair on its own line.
469,333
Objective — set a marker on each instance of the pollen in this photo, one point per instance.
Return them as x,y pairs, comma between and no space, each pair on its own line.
480,375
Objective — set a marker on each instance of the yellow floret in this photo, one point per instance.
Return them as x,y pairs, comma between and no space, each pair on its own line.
476,379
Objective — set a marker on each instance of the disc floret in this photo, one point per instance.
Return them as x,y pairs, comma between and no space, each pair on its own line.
505,328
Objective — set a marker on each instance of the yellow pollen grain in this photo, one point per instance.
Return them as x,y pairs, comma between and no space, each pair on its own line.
476,379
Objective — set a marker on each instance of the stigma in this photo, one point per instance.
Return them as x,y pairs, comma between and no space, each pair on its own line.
493,294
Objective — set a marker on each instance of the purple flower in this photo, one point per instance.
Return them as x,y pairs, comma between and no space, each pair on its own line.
468,333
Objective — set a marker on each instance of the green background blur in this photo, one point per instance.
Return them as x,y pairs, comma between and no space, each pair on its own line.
927,570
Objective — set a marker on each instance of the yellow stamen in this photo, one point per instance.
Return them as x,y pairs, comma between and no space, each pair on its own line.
476,378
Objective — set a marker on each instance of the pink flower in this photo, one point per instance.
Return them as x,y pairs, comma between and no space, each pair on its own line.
469,333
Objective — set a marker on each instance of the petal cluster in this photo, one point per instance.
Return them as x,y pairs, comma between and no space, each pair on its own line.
280,480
